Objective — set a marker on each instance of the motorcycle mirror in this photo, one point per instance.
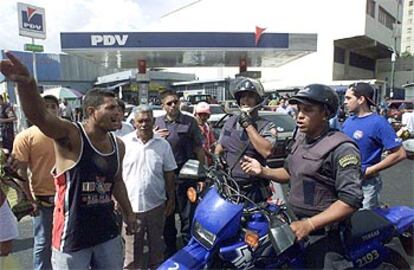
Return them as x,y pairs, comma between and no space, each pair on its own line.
193,170
281,235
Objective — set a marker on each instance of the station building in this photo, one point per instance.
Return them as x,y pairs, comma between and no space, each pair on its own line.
355,37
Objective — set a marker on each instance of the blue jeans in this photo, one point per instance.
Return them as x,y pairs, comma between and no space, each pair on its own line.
42,233
107,255
371,188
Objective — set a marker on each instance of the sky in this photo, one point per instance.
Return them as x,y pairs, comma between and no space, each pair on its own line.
83,16
144,15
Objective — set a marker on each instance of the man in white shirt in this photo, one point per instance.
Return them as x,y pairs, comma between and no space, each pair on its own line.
282,106
148,172
125,127
407,120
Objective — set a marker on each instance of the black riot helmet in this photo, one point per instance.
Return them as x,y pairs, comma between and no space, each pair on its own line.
242,84
319,94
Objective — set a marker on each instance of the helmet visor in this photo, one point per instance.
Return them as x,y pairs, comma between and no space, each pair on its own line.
301,100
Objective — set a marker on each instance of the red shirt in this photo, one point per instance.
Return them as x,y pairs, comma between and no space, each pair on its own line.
208,139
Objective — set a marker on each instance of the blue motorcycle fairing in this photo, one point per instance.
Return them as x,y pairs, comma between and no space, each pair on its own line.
192,256
218,216
242,256
258,223
401,217
368,255
367,250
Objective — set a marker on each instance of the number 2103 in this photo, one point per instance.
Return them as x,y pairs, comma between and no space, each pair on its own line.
367,258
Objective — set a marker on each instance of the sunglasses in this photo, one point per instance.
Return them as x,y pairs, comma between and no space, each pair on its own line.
172,101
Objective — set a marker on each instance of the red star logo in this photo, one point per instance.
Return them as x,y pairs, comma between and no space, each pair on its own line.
259,32
30,12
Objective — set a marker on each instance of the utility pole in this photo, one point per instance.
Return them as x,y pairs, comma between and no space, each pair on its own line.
393,58
396,33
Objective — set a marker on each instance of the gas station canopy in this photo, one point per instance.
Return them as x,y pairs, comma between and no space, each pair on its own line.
188,49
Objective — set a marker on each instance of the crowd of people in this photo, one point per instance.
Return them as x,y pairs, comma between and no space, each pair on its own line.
101,164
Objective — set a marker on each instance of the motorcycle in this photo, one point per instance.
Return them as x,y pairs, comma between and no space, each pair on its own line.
231,231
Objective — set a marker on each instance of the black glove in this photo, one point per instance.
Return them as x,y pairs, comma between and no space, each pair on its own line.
245,120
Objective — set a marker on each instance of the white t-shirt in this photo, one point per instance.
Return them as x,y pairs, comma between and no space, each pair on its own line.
126,128
143,171
281,110
407,119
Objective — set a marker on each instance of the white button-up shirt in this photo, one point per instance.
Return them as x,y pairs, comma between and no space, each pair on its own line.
143,171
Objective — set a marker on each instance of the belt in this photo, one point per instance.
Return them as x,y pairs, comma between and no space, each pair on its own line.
46,201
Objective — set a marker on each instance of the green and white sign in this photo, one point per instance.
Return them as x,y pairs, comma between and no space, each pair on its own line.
33,48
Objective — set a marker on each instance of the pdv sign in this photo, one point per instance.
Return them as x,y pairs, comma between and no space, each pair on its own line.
108,40
32,21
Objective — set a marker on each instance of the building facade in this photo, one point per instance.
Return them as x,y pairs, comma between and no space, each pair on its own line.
407,34
353,35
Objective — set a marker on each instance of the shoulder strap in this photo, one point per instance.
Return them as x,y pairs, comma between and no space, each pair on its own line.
261,123
330,142
118,158
82,132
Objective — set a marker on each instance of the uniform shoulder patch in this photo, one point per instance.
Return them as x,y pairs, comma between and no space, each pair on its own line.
347,160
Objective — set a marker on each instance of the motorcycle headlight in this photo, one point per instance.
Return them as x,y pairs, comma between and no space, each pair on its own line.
205,237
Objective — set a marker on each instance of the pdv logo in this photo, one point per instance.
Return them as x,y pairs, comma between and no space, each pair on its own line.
32,20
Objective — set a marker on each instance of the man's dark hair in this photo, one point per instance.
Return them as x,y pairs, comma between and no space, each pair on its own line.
94,98
121,104
167,93
51,98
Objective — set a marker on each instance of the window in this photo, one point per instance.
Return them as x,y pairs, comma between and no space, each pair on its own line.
385,18
371,8
339,55
408,48
361,61
410,3
410,12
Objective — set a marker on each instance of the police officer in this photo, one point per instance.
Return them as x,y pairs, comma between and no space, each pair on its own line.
247,134
182,132
323,167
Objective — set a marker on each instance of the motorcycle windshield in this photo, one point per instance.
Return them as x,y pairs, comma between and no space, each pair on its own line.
218,216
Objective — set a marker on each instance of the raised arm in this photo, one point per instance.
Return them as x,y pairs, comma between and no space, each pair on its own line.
32,103
263,146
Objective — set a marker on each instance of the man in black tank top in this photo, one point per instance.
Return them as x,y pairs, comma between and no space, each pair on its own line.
88,172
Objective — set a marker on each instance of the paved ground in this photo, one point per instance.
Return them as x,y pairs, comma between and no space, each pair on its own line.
398,190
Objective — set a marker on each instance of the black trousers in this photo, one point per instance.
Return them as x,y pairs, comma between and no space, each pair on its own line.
185,209
326,252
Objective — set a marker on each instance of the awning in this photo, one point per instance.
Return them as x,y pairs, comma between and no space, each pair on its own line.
113,87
